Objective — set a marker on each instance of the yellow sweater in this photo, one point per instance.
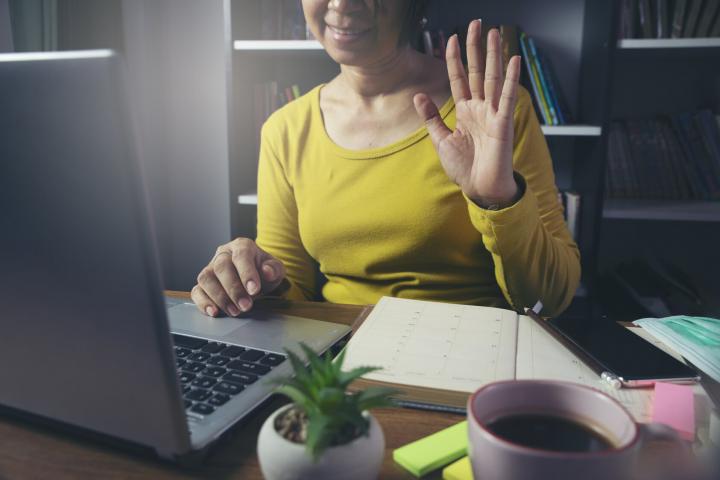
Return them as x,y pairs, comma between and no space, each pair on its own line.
388,221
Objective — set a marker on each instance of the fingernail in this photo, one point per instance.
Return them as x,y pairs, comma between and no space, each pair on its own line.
232,310
210,311
245,304
251,287
269,272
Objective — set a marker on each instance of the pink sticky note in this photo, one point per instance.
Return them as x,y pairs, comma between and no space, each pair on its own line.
674,405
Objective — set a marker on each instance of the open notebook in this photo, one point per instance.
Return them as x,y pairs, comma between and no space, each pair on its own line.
437,354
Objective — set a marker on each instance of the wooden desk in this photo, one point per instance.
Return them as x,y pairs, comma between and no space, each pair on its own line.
28,451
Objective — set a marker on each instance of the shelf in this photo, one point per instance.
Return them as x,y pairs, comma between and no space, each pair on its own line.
685,211
247,199
572,130
276,45
653,43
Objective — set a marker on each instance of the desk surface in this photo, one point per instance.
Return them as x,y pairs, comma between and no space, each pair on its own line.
28,451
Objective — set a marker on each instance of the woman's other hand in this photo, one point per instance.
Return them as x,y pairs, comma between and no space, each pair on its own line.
239,272
477,156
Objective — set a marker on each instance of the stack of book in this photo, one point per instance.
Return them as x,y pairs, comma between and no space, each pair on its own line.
671,158
669,19
283,20
538,76
268,98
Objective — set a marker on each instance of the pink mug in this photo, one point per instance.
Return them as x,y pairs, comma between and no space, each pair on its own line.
494,457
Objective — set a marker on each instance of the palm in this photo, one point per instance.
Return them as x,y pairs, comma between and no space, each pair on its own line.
477,156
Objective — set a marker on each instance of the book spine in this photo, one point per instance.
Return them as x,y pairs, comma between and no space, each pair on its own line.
705,123
543,83
715,31
692,18
296,91
694,173
531,76
709,11
661,17
270,16
678,19
542,99
645,18
552,88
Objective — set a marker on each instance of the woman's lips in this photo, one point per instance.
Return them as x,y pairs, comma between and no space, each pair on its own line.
347,35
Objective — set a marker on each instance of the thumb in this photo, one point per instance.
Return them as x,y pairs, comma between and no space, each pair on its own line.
429,114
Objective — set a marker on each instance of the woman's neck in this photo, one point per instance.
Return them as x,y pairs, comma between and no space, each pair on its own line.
390,74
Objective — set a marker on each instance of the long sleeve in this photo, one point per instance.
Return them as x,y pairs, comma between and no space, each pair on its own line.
277,224
534,255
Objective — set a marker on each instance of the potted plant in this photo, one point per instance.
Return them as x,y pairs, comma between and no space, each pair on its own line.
327,432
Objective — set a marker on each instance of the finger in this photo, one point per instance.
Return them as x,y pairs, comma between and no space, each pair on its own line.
244,259
227,274
493,69
214,289
428,112
456,72
273,273
203,302
476,65
508,99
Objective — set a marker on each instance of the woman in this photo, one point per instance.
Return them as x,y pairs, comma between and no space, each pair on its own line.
368,184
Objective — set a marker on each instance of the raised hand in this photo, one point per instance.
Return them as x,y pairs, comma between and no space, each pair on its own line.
477,156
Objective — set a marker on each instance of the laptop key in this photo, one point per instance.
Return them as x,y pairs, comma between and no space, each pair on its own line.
204,382
198,395
188,404
188,342
218,399
272,359
228,387
185,377
193,367
240,377
202,409
248,367
212,347
214,371
182,352
218,360
180,362
232,351
186,389
251,355
199,356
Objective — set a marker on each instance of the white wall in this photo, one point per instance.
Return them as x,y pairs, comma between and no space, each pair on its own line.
175,52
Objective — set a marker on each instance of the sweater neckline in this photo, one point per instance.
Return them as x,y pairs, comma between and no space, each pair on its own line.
378,152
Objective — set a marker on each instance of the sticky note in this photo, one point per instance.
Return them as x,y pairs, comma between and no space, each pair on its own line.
460,470
674,405
434,451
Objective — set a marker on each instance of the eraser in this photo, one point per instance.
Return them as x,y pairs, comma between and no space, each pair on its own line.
434,451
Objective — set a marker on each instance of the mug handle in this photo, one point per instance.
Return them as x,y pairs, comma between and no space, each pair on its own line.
650,432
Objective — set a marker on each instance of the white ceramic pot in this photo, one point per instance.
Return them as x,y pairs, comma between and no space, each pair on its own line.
281,459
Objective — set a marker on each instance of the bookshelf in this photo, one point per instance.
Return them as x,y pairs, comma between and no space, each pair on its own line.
276,45
663,210
665,43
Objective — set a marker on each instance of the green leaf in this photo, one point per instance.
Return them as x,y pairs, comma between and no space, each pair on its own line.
299,398
330,399
346,378
374,397
319,435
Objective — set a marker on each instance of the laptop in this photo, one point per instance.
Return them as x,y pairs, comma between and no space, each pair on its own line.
86,337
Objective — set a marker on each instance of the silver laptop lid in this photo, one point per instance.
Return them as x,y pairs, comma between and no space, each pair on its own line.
83,329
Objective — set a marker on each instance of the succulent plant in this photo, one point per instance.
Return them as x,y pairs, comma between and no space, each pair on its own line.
319,391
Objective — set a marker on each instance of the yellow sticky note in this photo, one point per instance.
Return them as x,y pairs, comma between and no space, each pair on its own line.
460,470
434,451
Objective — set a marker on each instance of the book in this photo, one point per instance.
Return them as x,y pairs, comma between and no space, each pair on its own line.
646,18
439,353
628,18
661,19
678,19
534,83
572,213
693,15
709,11
715,30
543,83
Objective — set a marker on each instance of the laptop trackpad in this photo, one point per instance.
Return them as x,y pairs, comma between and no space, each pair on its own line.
186,318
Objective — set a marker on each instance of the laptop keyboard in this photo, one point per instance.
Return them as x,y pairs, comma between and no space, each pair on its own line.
211,373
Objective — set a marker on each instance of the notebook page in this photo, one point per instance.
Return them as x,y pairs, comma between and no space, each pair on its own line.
435,345
540,356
